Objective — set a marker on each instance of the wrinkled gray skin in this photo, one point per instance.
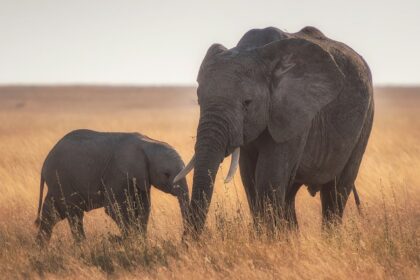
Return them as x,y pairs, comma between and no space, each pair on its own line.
87,170
299,106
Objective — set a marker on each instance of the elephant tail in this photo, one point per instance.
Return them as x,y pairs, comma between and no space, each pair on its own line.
41,195
357,200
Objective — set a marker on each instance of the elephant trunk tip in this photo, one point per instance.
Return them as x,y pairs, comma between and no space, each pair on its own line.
182,193
37,222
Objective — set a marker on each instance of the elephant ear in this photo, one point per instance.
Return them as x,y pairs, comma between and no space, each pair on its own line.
214,50
304,79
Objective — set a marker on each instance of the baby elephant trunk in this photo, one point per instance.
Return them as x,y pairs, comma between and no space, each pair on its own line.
182,193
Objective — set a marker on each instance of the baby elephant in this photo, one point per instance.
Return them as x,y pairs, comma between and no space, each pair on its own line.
87,170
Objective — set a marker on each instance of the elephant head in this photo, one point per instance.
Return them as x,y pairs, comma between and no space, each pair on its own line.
278,87
164,163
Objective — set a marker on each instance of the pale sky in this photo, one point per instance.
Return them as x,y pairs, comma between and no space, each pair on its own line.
163,42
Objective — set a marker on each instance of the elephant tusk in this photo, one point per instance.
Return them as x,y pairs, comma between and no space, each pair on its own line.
185,171
233,165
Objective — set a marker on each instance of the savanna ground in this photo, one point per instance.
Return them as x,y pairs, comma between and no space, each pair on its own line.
383,243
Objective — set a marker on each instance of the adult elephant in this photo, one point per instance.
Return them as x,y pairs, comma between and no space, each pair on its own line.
297,107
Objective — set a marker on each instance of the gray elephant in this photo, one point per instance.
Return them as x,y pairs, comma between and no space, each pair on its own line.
293,109
86,170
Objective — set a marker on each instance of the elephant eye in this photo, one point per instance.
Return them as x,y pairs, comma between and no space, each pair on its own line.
247,102
167,175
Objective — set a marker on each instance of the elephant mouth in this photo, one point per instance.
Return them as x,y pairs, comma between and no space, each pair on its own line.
234,152
229,150
231,147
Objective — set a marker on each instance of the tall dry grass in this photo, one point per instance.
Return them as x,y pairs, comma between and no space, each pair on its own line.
383,243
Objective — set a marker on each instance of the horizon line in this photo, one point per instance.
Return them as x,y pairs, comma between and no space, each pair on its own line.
157,85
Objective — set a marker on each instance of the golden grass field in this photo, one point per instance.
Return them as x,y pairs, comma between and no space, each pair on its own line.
383,243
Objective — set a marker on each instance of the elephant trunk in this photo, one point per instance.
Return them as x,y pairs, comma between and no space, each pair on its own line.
183,200
210,150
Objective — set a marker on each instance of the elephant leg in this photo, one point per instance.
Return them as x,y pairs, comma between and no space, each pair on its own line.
130,211
51,214
275,172
143,204
247,164
290,206
119,202
334,194
75,219
270,190
118,211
